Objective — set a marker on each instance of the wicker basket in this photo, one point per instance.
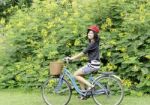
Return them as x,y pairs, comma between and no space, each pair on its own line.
56,67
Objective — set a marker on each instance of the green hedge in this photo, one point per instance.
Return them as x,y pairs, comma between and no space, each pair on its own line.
51,30
125,42
32,36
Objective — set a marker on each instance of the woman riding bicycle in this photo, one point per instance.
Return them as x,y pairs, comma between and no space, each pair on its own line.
92,51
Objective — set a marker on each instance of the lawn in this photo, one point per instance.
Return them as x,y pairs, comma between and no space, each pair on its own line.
24,97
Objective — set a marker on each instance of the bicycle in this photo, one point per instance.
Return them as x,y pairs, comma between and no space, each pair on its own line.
108,89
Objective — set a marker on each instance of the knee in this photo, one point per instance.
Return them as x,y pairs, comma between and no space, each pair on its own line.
75,74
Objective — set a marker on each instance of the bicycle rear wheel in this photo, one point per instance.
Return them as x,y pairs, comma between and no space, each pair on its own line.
56,91
108,91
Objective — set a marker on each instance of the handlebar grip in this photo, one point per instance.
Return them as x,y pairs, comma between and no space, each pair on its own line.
67,60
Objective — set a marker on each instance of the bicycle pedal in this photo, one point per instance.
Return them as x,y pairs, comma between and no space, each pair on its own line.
88,93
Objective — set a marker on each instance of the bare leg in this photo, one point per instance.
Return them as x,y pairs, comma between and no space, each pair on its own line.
79,76
82,86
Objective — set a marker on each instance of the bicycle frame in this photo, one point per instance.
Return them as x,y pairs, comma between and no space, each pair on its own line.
73,81
102,86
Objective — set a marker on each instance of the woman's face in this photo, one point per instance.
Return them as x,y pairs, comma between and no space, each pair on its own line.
91,35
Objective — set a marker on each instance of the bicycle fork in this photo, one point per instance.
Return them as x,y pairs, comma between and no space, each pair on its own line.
60,82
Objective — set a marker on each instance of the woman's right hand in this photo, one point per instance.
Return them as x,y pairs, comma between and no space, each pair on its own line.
67,59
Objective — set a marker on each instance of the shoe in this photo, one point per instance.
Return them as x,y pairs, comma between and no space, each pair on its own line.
82,97
91,88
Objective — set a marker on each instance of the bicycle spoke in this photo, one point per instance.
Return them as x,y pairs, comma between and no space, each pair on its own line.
56,92
108,91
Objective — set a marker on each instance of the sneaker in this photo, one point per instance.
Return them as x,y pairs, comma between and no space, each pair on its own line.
82,97
90,88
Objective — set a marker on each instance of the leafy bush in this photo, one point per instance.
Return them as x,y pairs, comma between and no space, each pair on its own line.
51,30
125,41
6,7
34,33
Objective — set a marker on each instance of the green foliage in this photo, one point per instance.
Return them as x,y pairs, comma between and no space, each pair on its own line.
7,5
125,41
50,30
33,35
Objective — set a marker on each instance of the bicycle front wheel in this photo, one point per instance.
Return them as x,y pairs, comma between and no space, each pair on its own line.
108,91
56,91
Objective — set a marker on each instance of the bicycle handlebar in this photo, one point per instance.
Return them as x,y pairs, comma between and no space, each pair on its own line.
67,60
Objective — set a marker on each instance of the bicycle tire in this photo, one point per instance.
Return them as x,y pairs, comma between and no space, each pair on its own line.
52,96
108,90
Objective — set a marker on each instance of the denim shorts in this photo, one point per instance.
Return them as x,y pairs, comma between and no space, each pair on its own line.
87,69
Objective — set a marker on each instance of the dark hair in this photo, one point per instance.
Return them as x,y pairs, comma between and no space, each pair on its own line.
96,37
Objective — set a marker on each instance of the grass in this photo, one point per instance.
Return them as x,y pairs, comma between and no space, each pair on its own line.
24,97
